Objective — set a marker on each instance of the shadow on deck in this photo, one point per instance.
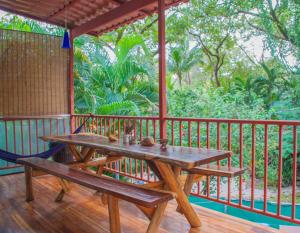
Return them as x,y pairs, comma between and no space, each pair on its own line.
82,211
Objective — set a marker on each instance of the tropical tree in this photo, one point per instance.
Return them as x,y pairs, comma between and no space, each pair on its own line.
116,82
182,59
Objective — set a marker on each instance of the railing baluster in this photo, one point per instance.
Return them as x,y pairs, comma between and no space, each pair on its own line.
29,137
241,163
172,131
229,163
279,170
199,134
44,133
6,138
189,134
147,127
37,135
154,129
141,129
253,160
65,126
14,136
105,125
207,135
218,162
22,137
101,126
119,128
134,129
294,182
266,160
180,133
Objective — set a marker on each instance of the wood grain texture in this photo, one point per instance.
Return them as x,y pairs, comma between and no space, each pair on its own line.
184,157
84,207
125,191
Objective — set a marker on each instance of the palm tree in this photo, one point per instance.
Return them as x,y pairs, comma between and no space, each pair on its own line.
269,86
116,84
182,59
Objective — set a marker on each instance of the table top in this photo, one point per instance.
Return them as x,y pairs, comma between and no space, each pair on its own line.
184,157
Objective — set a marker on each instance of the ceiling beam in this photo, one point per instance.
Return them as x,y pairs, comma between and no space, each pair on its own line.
114,15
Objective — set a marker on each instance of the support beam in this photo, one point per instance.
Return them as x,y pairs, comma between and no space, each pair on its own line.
113,16
162,69
71,82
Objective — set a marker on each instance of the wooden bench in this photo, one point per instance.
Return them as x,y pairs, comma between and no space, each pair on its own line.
196,174
215,170
151,201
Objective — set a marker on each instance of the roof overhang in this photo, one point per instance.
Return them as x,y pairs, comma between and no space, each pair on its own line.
93,17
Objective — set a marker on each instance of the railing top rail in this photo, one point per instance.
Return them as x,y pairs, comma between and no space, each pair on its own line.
16,118
217,120
120,117
238,121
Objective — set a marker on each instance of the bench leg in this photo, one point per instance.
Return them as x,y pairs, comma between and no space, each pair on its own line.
65,189
28,182
156,218
114,215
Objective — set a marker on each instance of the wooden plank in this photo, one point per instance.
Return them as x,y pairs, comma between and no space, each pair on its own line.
84,214
183,157
215,170
125,191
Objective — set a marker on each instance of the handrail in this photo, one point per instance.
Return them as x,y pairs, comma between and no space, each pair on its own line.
216,120
238,121
14,118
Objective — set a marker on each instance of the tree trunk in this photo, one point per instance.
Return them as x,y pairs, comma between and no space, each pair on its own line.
180,79
216,75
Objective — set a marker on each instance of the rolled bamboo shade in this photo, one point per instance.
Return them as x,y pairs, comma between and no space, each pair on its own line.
33,74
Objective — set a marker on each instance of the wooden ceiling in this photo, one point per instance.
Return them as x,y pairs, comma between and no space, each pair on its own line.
93,17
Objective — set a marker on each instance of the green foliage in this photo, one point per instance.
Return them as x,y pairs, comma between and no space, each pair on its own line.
113,81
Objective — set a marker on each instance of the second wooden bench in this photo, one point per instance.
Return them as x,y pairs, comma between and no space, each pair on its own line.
152,200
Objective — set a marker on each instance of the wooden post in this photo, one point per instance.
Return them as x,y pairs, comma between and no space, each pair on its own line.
162,69
28,182
71,82
114,215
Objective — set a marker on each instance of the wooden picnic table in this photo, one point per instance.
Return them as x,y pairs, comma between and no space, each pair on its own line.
165,164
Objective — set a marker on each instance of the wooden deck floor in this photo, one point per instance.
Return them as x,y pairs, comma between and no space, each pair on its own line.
82,211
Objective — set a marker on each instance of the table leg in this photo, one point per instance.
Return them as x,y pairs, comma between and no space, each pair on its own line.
182,200
28,181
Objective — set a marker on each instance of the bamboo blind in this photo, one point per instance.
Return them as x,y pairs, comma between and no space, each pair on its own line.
33,74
